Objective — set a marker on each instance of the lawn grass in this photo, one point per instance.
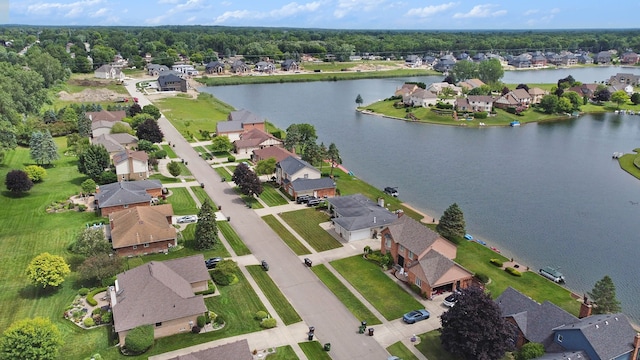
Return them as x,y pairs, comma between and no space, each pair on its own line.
431,348
283,353
203,196
400,350
313,350
626,164
271,196
184,170
164,179
223,172
277,299
170,153
357,308
292,242
189,115
250,201
306,223
233,239
182,202
388,297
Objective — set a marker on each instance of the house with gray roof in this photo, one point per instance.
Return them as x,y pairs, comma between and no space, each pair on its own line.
238,350
107,71
356,217
297,177
239,122
156,69
172,82
125,194
265,67
289,65
115,143
161,294
603,57
214,67
239,67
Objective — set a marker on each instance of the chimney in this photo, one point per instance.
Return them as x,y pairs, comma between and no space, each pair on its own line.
636,346
97,189
585,310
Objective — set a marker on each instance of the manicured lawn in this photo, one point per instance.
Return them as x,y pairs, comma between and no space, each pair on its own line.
306,223
430,347
184,170
223,172
271,196
400,350
292,242
202,195
357,308
389,298
170,153
233,239
182,202
313,350
626,163
280,303
283,353
250,201
164,179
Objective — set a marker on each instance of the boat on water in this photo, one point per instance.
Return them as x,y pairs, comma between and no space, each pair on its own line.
514,123
552,274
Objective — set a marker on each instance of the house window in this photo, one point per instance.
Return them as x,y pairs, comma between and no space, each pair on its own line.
158,324
125,206
135,247
306,176
410,255
401,248
387,243
419,282
559,338
146,245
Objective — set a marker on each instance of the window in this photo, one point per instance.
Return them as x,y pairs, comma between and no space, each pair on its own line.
135,247
410,255
158,324
387,243
418,282
125,206
559,338
401,248
146,245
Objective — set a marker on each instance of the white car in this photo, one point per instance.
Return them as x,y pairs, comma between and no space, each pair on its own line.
187,219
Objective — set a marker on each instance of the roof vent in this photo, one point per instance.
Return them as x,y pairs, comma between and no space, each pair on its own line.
606,322
597,326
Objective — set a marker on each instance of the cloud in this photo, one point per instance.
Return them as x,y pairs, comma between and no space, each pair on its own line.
346,6
73,9
531,12
188,6
99,13
481,11
429,10
287,10
545,18
168,1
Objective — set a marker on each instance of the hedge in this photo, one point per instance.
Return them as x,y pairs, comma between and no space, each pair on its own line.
90,300
261,315
201,320
268,323
210,290
513,271
496,262
139,339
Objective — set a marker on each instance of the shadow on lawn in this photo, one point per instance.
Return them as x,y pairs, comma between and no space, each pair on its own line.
12,195
34,292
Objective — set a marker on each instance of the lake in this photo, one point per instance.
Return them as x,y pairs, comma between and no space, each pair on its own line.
547,194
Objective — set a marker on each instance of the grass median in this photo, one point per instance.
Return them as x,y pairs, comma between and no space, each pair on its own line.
277,299
306,223
233,239
271,196
292,242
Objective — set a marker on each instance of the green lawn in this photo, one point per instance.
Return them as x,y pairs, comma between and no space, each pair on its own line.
283,353
306,223
202,195
388,297
430,347
271,196
223,172
626,163
292,242
277,299
170,153
164,179
357,308
313,350
400,350
182,202
233,239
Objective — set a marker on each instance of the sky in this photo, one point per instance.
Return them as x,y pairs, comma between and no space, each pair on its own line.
329,14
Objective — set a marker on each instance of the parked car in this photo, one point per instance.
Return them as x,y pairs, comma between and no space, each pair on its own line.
450,300
187,219
314,202
391,191
415,315
264,265
303,199
212,262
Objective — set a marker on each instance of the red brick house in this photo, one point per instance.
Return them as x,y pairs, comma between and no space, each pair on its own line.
255,139
239,122
126,194
423,257
297,177
142,230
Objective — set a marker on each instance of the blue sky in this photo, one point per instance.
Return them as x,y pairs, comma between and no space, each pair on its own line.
333,14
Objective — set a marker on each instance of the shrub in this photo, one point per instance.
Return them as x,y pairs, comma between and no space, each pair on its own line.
201,321
441,105
219,277
496,262
88,322
107,317
210,290
110,281
90,300
71,205
160,154
261,315
482,277
481,115
96,311
231,158
211,316
219,319
82,207
139,339
513,271
83,291
196,329
268,323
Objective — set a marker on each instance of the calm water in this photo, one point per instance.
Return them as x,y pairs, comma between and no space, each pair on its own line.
546,194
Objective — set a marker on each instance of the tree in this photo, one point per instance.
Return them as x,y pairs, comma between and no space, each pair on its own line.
490,71
139,339
134,110
100,267
81,64
47,270
619,97
220,143
359,100
91,241
635,98
42,148
88,186
18,181
531,350
474,329
299,135
84,125
334,156
151,110
312,153
464,69
523,86
206,229
564,105
602,95
121,128
549,103
266,167
452,223
93,161
604,296
247,180
35,173
149,130
146,146
46,65
174,168
450,79
36,338
138,119
575,99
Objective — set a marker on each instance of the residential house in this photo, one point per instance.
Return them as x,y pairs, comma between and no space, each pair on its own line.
583,90
126,194
265,67
172,82
507,101
538,61
356,217
214,67
584,58
471,84
105,115
445,64
131,165
420,97
478,57
142,230
289,65
109,72
238,350
603,57
297,177
276,152
239,67
255,139
161,294
609,336
103,127
522,96
156,69
630,58
475,103
463,56
406,89
239,122
521,61
536,94
429,60
624,79
423,257
185,69
115,143
569,59
626,88
413,61
438,87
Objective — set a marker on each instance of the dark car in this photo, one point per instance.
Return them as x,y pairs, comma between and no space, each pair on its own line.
303,199
450,300
314,202
415,315
391,191
211,263
264,265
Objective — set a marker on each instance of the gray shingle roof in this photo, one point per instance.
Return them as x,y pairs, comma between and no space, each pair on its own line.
168,78
245,116
292,165
435,265
412,235
109,143
238,350
302,184
565,355
355,212
126,192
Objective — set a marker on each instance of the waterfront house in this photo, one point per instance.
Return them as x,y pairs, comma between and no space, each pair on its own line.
630,58
172,82
255,139
420,98
471,84
276,152
536,94
438,87
239,67
126,194
142,230
238,122
265,67
603,57
584,58
214,67
289,65
297,177
413,61
624,79
356,217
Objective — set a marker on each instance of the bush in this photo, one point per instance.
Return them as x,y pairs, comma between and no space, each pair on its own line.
482,277
211,317
268,323
210,290
441,105
96,311
496,262
513,271
231,158
160,154
90,300
195,329
261,315
139,339
107,317
219,319
88,322
220,277
83,291
481,115
201,321
82,207
110,281
71,205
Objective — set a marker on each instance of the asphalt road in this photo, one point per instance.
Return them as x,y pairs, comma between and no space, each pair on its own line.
316,305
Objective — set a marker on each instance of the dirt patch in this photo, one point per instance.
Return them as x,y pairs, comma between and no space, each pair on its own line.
90,95
375,67
90,82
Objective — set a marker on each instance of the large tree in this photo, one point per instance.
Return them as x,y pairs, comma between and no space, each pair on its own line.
42,148
266,167
604,296
549,103
452,223
17,181
206,229
490,71
100,267
474,328
93,161
91,241
47,270
247,180
151,110
334,156
174,168
221,143
36,338
464,69
149,130
619,97
298,136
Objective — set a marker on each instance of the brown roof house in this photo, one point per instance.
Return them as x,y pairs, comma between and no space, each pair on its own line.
105,115
115,143
142,230
239,122
423,257
126,194
297,177
275,152
255,139
131,165
161,294
475,103
238,350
